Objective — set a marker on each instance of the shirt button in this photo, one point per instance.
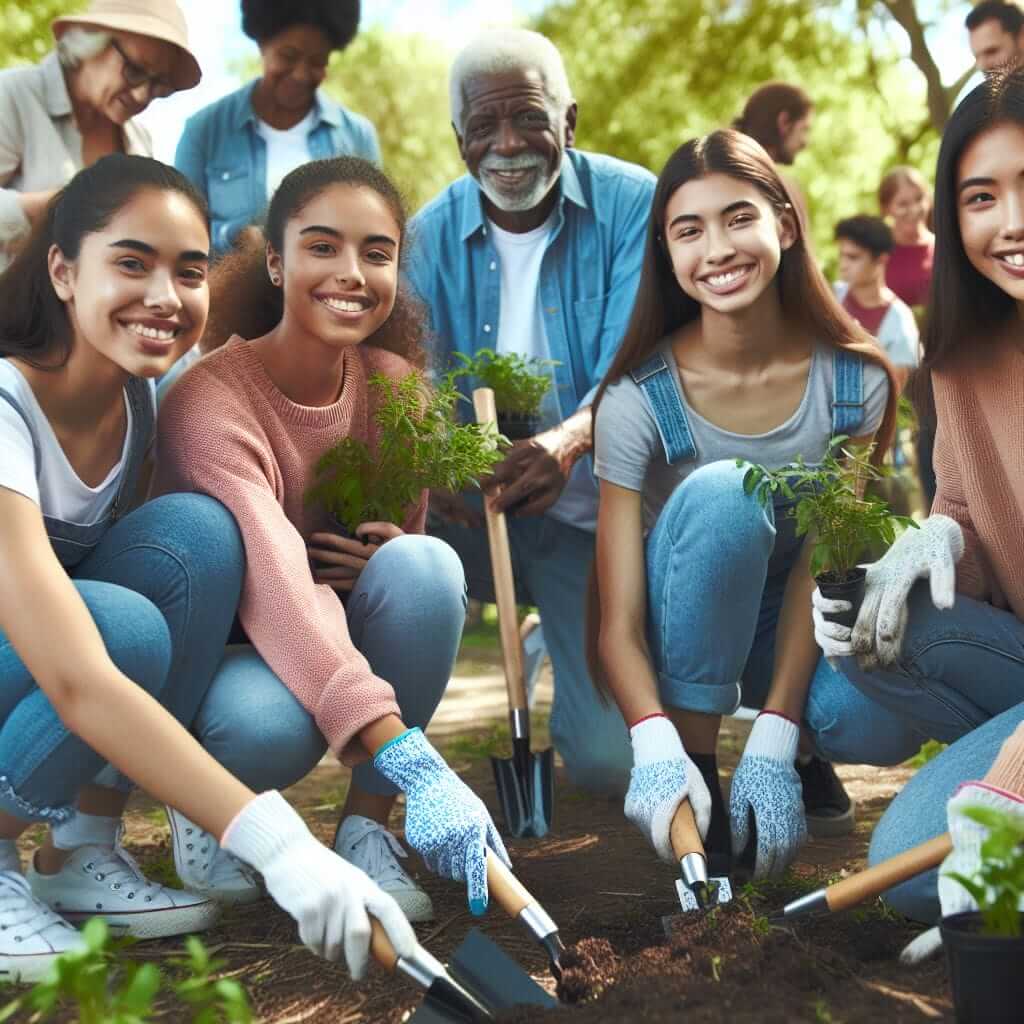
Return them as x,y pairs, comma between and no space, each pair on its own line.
487,328
494,266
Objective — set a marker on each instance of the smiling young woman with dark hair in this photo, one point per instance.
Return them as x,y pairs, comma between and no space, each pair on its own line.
940,635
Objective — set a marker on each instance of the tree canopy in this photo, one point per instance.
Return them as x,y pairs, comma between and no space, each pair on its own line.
26,36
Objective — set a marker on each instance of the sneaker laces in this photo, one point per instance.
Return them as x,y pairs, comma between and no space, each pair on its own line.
378,849
20,909
114,864
222,866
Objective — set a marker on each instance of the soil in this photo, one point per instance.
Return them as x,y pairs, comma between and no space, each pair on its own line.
597,878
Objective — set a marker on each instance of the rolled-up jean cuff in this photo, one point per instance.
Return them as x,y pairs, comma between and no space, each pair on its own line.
17,807
704,698
110,778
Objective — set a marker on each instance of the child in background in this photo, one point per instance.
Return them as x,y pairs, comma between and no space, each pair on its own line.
864,247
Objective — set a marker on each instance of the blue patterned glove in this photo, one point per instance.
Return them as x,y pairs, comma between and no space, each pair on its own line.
445,821
661,779
766,782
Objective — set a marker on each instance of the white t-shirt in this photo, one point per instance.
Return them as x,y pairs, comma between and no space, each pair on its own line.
287,148
56,487
521,330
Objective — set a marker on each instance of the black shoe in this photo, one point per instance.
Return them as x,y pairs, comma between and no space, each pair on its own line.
827,805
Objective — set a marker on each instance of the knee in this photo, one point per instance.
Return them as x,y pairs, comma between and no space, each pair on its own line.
428,568
715,493
135,634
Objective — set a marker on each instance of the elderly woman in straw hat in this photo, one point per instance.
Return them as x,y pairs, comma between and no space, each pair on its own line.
79,102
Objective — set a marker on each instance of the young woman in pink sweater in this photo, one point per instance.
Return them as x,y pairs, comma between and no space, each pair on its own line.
940,636
344,658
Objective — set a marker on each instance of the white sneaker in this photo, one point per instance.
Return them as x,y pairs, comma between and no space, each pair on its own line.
371,847
32,936
104,881
205,868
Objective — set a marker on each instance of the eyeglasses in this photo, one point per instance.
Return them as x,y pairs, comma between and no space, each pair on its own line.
136,75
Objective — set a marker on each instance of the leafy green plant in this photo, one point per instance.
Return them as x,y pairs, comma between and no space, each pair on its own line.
830,505
420,445
998,884
213,1000
519,384
930,749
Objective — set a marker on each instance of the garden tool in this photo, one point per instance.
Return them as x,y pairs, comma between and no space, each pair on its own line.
871,882
696,890
526,781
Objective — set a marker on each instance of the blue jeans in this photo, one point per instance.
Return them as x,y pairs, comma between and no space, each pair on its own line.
551,566
162,587
717,567
919,812
405,615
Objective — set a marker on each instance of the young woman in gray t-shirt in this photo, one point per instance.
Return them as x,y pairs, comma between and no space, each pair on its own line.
736,348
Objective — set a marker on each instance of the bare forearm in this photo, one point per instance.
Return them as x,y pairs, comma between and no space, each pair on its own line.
630,677
34,204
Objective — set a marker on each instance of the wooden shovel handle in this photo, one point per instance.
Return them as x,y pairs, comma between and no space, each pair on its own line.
684,832
867,884
504,888
504,586
380,946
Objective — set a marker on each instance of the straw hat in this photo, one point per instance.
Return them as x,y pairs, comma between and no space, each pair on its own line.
158,19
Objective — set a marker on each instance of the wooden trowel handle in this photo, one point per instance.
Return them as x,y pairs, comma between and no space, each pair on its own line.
380,946
504,585
504,888
684,833
874,881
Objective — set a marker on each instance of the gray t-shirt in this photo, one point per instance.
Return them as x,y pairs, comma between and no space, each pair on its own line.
628,449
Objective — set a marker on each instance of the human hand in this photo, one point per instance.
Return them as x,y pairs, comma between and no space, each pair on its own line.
531,477
445,821
663,777
346,557
329,898
965,859
766,785
931,551
453,508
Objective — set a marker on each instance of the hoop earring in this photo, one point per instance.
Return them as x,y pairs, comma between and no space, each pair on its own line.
275,280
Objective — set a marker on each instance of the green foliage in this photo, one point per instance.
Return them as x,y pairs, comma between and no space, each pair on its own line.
998,884
830,505
26,36
420,445
519,384
106,988
929,749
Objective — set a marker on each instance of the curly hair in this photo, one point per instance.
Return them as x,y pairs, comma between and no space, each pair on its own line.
244,301
337,19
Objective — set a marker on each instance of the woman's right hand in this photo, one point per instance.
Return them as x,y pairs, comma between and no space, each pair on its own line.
329,898
662,778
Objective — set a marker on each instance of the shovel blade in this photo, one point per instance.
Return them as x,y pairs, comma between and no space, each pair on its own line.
526,792
493,976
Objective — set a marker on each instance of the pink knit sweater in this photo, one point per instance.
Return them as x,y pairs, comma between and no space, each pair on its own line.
226,430
979,464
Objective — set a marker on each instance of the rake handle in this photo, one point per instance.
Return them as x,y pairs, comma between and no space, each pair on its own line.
504,585
870,883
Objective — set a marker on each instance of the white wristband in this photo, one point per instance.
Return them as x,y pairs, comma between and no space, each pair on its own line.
773,737
655,739
263,828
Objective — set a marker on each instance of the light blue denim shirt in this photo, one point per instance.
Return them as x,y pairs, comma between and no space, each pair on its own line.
588,276
223,155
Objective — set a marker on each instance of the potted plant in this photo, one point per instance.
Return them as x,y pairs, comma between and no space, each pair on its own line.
420,444
985,948
519,385
830,505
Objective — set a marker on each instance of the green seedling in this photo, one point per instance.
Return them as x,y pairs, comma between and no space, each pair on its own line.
213,1000
519,384
998,884
716,967
929,749
830,505
420,445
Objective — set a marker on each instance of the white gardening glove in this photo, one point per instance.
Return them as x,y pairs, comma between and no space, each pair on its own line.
328,897
766,783
832,637
661,779
967,835
931,551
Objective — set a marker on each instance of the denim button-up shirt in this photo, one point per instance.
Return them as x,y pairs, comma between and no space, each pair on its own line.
588,276
224,156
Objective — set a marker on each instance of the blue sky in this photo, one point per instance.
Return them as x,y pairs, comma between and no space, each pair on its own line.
218,41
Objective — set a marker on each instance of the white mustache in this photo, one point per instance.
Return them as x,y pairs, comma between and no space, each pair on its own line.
497,163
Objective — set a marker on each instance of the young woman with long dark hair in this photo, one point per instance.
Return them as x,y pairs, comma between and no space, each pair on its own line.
342,657
736,348
113,620
940,636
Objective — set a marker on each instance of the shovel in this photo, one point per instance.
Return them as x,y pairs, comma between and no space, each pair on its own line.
695,889
871,882
526,781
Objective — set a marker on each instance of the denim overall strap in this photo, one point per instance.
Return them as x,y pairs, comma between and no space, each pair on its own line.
7,397
847,392
655,379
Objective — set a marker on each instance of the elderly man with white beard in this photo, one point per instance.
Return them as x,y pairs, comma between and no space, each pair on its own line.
536,251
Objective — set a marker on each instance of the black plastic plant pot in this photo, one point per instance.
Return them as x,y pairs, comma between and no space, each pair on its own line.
518,426
849,588
985,971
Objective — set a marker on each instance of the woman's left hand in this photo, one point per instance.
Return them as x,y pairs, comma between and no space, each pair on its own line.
342,559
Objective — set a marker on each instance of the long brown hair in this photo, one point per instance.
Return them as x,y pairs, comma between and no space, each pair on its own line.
243,299
760,117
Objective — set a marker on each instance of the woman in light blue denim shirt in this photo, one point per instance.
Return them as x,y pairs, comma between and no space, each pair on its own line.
237,150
